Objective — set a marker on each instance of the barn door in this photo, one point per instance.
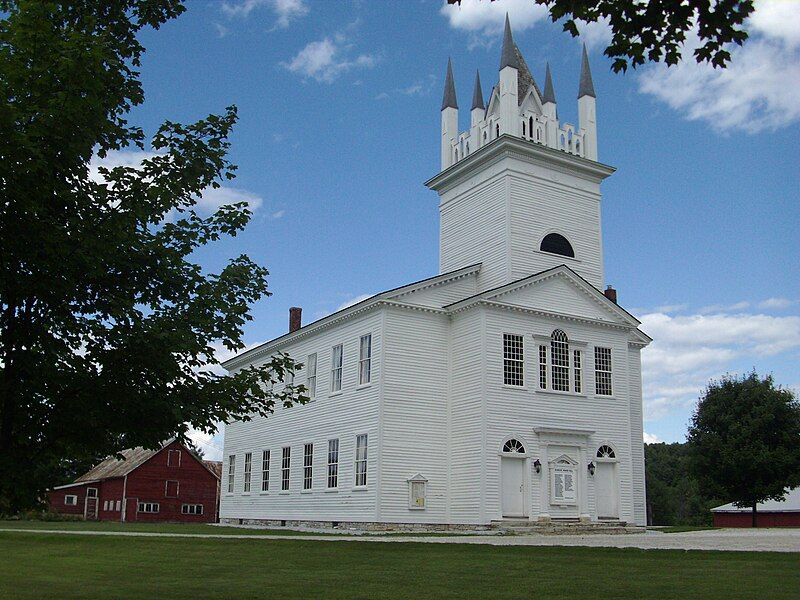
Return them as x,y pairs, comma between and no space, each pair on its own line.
90,511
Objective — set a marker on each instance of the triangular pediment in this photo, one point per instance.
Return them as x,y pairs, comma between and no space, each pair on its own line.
531,102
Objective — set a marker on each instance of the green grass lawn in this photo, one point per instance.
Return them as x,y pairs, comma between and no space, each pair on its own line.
143,527
65,566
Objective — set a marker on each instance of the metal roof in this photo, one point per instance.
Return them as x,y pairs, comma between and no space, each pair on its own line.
791,503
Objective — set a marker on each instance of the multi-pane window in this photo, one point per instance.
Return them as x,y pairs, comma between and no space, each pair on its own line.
559,361
308,466
513,360
336,369
543,367
248,470
71,500
602,371
231,472
576,371
361,460
265,471
333,463
365,360
286,463
311,379
192,509
148,507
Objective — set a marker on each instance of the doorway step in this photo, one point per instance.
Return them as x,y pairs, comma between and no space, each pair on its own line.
562,527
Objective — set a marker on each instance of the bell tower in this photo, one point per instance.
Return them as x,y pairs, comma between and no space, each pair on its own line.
519,191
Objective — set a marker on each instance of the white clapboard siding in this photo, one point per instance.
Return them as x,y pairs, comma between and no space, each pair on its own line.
637,433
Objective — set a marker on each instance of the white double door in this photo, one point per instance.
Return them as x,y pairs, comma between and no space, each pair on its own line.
513,484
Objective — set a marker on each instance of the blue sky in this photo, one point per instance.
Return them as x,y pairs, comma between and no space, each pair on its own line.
339,122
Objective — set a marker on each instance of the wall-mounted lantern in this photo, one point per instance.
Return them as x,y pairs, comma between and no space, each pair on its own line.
537,466
591,469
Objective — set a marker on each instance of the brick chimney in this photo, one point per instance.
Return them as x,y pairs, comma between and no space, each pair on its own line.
611,294
295,318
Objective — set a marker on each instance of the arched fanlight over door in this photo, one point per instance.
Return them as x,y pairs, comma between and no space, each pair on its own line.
514,446
605,451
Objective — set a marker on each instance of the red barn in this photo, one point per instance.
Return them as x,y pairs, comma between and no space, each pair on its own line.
772,513
168,484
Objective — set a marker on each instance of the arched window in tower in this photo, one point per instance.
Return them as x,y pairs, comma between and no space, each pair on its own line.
497,130
555,243
484,136
523,128
559,361
530,125
514,446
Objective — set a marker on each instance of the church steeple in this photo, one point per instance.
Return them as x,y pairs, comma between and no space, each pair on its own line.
449,118
477,94
586,86
508,56
549,93
449,97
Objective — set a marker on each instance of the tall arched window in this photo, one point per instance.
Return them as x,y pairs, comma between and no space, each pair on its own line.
530,125
555,243
559,361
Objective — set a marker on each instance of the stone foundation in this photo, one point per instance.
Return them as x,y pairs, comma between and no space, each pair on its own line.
357,526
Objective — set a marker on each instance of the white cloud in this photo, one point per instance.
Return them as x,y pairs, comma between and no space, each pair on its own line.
210,200
488,18
775,303
209,444
278,214
353,301
756,92
596,34
382,96
326,59
723,308
286,11
649,438
689,350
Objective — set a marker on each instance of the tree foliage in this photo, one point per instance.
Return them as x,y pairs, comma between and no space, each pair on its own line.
107,326
744,440
655,30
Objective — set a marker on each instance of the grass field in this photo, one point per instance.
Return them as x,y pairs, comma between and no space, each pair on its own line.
66,566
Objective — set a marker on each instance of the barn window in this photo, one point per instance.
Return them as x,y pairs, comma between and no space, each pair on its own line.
308,466
336,368
602,371
231,472
513,360
119,505
365,360
173,458
555,243
286,463
265,471
70,500
192,509
311,378
514,446
361,460
559,361
248,471
333,463
171,489
605,451
148,507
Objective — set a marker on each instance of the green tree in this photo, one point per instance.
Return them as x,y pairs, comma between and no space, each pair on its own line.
744,440
656,29
107,326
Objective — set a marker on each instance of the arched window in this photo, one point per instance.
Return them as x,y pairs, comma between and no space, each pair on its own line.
530,125
514,446
605,451
559,361
555,243
523,128
497,130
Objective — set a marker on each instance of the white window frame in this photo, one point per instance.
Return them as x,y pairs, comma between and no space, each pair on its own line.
177,488
171,461
365,359
337,368
602,362
311,377
231,472
574,370
119,505
70,500
513,360
265,458
286,468
577,371
308,466
148,507
333,464
360,460
248,472
192,509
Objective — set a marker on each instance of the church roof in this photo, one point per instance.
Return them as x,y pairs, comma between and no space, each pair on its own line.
477,94
449,98
524,78
586,87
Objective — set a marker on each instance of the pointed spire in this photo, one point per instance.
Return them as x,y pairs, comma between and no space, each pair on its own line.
449,98
508,57
477,95
549,93
586,87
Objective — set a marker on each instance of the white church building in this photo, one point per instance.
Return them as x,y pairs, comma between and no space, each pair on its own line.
508,387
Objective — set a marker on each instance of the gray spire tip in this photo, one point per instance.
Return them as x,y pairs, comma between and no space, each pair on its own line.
449,98
508,56
549,92
477,95
586,87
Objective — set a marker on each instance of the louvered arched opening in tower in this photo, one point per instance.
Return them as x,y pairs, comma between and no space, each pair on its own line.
555,243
